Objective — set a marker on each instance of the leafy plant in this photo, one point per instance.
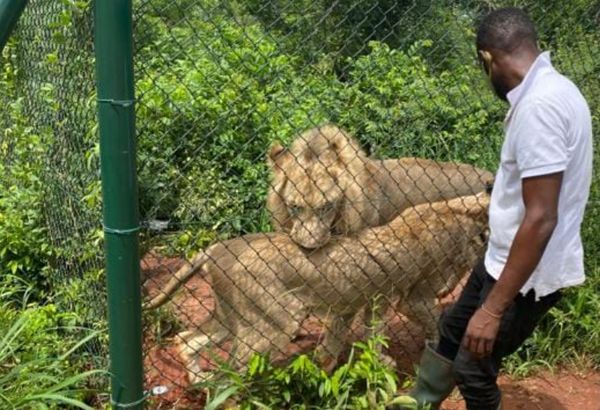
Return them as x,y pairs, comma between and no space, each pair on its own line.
40,355
24,244
364,382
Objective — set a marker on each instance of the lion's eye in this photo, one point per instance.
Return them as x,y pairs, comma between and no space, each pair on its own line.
326,208
294,210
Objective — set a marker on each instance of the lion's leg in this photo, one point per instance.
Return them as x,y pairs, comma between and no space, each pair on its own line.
335,341
255,337
268,330
421,307
192,342
220,326
259,339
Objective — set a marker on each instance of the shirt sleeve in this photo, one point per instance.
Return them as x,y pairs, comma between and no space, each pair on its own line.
541,140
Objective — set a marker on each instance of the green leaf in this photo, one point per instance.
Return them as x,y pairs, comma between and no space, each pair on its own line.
222,397
58,398
404,401
391,383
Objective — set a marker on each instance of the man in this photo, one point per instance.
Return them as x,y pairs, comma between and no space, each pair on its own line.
537,205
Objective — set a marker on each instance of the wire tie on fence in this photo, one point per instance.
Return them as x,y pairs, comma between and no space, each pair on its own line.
133,403
155,391
121,103
121,231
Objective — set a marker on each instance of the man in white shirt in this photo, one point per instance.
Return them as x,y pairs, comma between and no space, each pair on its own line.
537,205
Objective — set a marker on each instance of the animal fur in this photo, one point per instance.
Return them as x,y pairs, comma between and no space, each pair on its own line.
265,285
325,185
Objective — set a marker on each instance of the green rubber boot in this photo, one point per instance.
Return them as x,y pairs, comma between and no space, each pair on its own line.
435,380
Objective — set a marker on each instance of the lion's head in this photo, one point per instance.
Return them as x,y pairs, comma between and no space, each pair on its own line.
310,184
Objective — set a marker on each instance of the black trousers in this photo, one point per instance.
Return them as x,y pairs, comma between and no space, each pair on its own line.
476,378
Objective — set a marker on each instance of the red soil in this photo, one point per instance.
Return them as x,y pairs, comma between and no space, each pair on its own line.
561,391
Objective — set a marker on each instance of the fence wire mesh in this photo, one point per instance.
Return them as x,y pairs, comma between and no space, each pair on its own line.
51,219
232,78
218,85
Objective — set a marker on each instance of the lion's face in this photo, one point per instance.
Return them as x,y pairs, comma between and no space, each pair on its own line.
313,199
309,184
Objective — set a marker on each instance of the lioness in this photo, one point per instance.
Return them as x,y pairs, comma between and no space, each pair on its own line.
265,285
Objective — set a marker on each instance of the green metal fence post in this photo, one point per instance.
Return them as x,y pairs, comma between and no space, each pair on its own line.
116,116
10,11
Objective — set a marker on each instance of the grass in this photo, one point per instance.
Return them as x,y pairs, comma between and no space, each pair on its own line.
39,363
568,336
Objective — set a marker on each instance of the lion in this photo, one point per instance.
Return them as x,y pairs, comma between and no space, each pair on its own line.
265,285
325,185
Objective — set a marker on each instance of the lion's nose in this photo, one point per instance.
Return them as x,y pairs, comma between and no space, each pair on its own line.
307,239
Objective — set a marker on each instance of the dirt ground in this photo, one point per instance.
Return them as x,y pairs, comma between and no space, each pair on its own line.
561,390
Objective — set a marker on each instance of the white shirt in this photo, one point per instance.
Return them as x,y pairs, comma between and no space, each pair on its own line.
548,129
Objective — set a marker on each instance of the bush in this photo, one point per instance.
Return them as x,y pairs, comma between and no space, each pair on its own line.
364,382
25,248
207,118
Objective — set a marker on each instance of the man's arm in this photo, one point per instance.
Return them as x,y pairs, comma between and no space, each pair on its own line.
540,196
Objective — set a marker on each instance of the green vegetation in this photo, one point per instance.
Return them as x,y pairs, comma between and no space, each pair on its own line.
362,383
216,83
42,360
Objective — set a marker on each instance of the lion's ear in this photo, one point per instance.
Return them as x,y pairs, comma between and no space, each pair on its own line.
345,147
276,153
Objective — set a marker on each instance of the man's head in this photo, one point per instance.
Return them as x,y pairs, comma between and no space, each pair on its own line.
507,46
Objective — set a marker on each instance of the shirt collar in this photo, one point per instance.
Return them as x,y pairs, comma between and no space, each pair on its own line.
542,61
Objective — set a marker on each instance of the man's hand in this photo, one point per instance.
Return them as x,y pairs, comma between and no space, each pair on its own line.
481,333
540,197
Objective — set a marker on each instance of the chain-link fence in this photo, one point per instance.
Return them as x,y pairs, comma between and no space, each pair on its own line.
316,119
50,181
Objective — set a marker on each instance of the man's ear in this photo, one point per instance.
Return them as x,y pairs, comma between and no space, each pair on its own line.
487,58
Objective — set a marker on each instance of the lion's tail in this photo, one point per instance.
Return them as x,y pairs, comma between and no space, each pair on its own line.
181,277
